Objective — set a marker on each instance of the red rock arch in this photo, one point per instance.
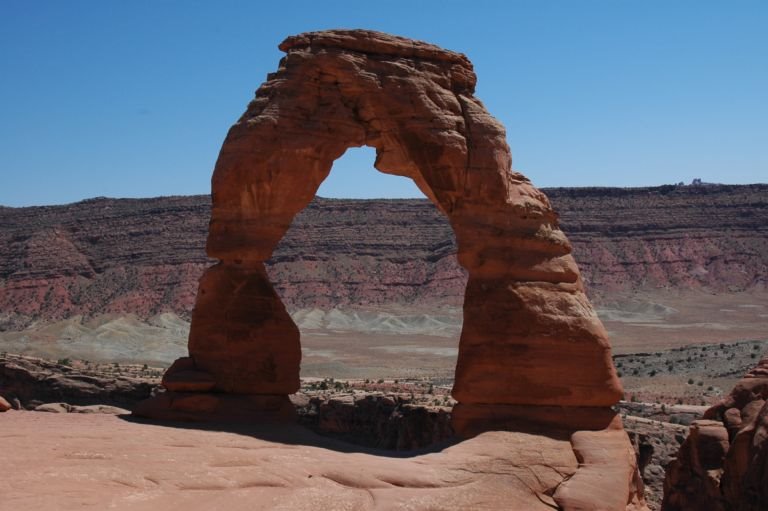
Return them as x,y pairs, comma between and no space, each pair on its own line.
530,335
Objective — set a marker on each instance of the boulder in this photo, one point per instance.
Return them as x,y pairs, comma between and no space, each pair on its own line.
723,464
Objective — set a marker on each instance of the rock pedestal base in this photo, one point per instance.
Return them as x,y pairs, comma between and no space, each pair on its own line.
469,420
192,396
216,407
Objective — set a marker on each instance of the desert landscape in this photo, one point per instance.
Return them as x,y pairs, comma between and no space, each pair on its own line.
376,290
375,287
265,348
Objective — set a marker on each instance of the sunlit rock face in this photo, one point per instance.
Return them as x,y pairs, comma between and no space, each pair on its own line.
723,464
526,317
532,352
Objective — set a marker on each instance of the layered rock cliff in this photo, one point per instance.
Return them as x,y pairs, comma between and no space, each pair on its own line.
145,256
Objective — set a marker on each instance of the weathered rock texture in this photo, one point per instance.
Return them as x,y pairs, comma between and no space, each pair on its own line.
375,420
526,317
102,462
145,256
524,304
34,381
723,464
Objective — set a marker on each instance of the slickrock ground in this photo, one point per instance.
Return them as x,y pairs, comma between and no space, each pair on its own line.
389,414
71,461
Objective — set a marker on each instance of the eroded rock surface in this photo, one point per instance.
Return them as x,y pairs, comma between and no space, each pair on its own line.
71,461
376,420
533,355
524,308
34,381
723,464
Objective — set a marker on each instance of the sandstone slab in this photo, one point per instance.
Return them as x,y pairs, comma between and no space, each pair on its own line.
73,461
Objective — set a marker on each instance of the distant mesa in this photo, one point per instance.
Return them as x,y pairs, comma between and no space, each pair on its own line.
698,182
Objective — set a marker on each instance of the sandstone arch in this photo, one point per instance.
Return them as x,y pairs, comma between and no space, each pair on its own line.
531,339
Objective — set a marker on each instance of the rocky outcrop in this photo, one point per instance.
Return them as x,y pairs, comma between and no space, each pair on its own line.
375,420
524,304
526,316
723,464
34,381
145,256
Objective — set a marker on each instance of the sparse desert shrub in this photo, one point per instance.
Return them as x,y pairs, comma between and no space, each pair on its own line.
65,362
690,381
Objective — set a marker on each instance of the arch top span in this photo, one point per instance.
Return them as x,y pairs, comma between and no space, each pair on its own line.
530,335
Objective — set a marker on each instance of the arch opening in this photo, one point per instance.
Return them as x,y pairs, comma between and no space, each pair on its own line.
372,283
353,176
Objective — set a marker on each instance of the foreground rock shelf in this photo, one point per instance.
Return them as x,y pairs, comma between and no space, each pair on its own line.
71,461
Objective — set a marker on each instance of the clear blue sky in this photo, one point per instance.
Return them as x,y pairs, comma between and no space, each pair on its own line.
133,99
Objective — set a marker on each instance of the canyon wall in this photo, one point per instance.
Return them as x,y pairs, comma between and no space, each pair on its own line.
144,256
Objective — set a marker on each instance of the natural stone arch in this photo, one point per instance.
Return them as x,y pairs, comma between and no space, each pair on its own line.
530,336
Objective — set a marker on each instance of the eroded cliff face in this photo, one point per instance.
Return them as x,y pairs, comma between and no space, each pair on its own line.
100,256
144,256
711,238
